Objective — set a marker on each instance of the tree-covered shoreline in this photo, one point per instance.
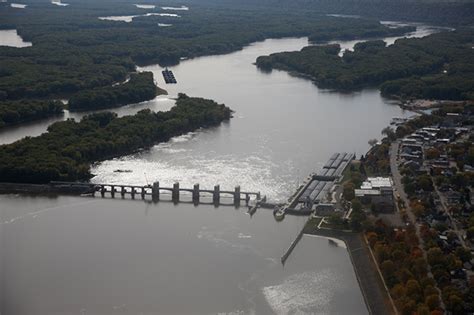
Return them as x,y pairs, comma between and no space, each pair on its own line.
17,112
76,56
438,66
67,150
141,87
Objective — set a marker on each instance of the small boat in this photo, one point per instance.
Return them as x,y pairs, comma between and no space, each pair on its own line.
123,171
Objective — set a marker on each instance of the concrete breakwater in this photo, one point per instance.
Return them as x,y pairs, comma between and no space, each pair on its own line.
156,191
292,247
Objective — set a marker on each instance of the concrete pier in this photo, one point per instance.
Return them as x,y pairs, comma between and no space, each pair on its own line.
292,247
155,191
196,194
216,197
175,192
237,196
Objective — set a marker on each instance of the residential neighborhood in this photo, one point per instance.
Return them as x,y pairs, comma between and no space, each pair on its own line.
412,196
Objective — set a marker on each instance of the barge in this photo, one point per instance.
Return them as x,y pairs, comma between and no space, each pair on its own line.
168,76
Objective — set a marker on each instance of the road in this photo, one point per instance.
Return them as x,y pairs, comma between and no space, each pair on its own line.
397,181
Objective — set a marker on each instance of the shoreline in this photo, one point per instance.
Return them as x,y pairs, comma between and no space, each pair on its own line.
377,299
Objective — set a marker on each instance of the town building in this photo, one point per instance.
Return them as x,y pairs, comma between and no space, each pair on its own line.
379,192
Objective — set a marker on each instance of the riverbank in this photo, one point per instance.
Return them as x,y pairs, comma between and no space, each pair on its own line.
366,67
376,298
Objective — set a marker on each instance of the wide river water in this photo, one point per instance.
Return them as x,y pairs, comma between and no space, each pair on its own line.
71,255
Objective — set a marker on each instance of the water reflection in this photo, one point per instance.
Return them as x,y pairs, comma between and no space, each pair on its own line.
12,39
284,126
99,256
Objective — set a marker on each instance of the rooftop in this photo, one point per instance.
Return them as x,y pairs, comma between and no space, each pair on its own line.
376,182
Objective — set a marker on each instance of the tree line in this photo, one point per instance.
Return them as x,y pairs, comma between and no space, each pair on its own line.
74,54
15,112
438,66
140,87
66,151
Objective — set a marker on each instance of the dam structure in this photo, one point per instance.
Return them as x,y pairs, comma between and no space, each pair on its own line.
175,193
316,187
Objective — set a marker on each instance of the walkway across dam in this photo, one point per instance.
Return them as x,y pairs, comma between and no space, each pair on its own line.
156,192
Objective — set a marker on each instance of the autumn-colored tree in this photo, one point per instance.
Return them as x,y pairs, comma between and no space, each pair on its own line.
455,303
435,256
398,291
387,268
348,191
432,301
381,252
419,266
418,209
372,238
432,153
408,307
413,289
423,310
404,275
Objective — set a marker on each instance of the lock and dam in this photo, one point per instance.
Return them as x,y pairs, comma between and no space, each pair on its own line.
313,191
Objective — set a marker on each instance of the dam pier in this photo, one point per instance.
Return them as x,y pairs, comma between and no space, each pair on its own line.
157,192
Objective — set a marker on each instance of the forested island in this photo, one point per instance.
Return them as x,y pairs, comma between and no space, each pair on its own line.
66,151
139,88
438,66
15,112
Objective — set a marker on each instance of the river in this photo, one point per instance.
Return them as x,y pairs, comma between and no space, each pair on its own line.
12,39
70,255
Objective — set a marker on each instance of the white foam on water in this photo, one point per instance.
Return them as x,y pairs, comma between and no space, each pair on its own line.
242,235
303,293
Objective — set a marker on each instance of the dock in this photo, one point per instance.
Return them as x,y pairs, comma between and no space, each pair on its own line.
316,186
169,76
